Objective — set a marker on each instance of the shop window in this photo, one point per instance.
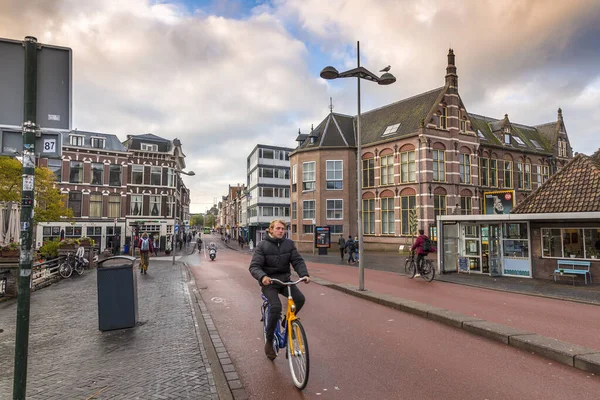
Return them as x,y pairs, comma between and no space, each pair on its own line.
516,243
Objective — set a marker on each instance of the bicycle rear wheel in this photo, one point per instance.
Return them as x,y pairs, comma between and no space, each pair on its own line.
410,268
79,268
428,271
297,352
65,270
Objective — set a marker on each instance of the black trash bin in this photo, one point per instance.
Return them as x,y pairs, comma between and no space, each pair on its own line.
117,293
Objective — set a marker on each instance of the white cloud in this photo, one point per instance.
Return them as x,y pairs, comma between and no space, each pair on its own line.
222,85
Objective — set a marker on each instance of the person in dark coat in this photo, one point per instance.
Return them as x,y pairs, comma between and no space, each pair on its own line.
272,258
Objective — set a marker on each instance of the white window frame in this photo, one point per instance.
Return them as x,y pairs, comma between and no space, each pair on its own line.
332,210
294,171
77,139
308,212
153,171
133,170
132,205
309,177
148,147
386,171
153,202
331,174
99,140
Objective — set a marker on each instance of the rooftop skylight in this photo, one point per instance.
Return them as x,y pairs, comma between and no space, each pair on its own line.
391,129
480,134
519,140
536,144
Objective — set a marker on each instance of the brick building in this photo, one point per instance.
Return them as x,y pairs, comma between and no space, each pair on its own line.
93,176
421,157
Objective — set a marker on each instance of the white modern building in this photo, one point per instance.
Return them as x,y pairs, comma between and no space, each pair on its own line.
268,189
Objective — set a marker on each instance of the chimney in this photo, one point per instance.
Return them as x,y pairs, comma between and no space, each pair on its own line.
451,76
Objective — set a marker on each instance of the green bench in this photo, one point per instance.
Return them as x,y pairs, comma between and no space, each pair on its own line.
573,268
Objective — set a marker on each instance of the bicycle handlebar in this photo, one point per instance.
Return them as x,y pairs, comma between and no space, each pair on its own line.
288,283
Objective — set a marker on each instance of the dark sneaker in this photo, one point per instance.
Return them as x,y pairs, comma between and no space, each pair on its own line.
269,351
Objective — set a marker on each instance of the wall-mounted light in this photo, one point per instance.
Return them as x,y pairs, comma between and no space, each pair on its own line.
429,187
429,144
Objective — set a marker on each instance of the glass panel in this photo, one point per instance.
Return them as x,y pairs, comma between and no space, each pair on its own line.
471,247
516,248
592,243
515,231
114,175
572,243
551,243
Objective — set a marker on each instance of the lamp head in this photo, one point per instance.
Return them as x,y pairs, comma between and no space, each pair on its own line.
329,73
387,79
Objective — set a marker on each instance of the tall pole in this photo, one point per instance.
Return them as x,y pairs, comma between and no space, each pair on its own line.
361,270
23,299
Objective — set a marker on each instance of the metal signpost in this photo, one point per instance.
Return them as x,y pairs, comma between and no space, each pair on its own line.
35,85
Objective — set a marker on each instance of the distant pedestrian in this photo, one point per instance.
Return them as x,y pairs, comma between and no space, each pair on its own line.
156,246
342,244
356,247
241,242
350,249
146,247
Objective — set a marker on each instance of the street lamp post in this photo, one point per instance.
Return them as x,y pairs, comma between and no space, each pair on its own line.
176,218
359,72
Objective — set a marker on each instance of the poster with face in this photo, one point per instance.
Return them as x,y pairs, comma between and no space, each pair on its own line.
499,202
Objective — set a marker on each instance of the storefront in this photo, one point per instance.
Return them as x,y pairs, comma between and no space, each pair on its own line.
485,245
105,234
518,245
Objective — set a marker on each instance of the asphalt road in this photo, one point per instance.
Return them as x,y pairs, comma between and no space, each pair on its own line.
361,350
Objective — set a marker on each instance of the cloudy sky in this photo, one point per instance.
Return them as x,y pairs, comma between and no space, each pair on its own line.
225,75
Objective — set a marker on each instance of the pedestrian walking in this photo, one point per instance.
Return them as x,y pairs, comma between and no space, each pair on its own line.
156,246
350,249
342,244
146,247
241,242
356,247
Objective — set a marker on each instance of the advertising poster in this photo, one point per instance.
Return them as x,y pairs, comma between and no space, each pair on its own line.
499,201
322,237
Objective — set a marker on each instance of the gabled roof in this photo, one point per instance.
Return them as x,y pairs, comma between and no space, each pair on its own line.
408,113
336,130
488,125
111,142
575,188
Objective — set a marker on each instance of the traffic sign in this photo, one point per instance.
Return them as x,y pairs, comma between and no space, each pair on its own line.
176,228
54,84
47,145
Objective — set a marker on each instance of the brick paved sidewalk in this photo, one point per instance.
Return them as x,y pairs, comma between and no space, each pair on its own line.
69,358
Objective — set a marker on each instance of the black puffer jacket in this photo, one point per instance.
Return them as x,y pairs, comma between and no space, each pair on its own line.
272,257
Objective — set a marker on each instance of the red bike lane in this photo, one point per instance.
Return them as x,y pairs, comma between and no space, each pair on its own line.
362,350
564,320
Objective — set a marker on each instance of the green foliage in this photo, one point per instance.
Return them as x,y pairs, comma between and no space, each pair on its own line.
197,220
11,246
50,249
50,204
413,221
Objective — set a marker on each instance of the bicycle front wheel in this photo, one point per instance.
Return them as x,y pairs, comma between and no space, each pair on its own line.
65,270
428,271
410,268
297,352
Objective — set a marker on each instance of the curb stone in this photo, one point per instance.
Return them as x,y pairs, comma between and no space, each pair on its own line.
573,355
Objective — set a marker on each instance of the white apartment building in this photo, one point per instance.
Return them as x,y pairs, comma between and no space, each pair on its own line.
268,184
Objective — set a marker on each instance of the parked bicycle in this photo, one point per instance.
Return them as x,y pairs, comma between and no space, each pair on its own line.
426,270
289,335
72,263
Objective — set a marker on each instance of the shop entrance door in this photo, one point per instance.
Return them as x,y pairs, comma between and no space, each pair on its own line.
495,250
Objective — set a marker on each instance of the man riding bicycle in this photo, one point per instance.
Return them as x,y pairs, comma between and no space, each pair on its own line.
272,258
423,246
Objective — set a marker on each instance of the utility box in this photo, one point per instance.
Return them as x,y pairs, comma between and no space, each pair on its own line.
117,293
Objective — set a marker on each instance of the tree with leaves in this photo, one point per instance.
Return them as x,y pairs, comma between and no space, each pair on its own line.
50,204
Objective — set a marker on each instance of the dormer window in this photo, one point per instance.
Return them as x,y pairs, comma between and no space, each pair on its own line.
506,138
148,147
444,118
97,143
562,147
76,140
507,130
